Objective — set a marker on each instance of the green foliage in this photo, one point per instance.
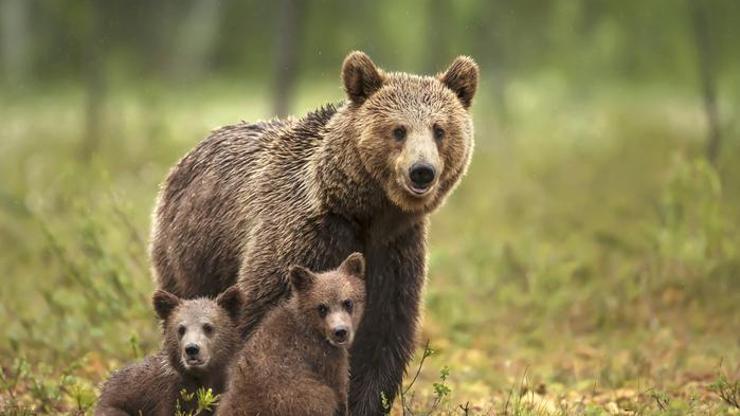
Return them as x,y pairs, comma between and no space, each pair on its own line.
728,391
42,389
385,402
441,389
202,400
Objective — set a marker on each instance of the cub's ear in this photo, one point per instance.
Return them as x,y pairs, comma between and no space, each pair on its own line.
462,78
164,303
231,301
354,264
360,76
301,278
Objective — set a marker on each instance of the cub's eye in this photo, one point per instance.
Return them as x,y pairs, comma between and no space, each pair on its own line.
181,330
439,132
323,310
399,133
208,329
348,305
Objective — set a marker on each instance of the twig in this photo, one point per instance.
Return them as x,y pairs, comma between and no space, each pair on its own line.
508,398
427,353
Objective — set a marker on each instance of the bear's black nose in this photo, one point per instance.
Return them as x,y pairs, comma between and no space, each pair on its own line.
421,174
192,350
340,334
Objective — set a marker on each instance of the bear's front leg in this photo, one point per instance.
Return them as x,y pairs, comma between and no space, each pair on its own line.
386,338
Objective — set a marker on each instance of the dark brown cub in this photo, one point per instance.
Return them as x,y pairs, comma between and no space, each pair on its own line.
200,338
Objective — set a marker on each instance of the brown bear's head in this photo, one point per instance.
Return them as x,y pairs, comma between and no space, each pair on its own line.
200,335
415,133
333,302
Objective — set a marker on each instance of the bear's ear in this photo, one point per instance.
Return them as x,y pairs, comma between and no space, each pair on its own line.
462,78
360,76
164,303
231,301
301,278
354,264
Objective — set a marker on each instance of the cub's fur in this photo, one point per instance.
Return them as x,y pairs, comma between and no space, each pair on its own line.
296,362
200,338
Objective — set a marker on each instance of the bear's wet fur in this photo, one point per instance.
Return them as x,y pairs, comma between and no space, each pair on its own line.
201,337
253,199
296,361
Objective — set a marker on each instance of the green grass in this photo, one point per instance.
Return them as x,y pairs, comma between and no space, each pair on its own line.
588,264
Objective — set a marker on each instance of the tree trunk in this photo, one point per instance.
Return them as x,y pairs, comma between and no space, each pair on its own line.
197,33
14,39
438,35
705,58
289,28
490,46
94,82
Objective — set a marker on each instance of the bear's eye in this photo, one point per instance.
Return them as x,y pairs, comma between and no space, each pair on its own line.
208,329
323,310
439,132
181,330
399,133
348,305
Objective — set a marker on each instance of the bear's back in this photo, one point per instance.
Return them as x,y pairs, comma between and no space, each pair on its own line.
212,196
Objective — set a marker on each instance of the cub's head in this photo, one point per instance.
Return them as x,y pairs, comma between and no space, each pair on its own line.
415,133
200,335
332,303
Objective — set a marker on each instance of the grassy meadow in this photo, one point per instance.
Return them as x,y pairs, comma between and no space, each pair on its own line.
589,263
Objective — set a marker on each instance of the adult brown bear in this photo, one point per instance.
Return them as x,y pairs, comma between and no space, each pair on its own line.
251,200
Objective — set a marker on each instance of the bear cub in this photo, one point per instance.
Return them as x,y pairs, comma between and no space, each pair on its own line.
297,362
201,337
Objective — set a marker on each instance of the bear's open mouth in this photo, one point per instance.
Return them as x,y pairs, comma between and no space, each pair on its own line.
194,362
417,191
340,344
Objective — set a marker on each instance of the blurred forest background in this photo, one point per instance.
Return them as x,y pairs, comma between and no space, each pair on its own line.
588,264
